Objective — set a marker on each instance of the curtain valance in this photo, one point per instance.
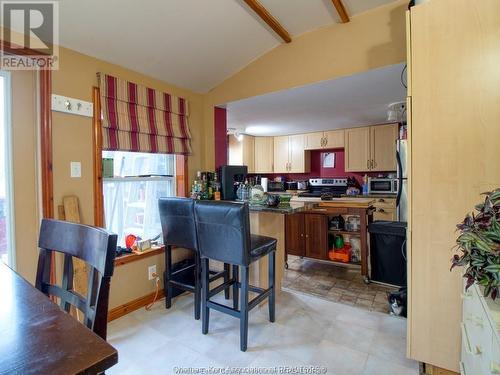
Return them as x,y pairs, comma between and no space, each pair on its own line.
138,118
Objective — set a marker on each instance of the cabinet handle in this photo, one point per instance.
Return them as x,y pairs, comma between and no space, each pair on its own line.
381,210
302,235
374,163
307,236
381,200
368,164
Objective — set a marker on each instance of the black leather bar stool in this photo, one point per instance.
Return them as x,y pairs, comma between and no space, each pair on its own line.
178,227
223,230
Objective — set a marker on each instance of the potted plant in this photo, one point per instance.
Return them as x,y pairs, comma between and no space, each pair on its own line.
479,246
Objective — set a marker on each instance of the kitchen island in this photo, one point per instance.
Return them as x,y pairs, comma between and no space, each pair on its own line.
270,221
308,232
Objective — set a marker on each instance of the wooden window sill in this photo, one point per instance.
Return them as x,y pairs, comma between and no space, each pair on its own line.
128,258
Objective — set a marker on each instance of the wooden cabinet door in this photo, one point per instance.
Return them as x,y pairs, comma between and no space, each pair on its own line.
281,154
314,141
316,233
264,155
383,147
334,138
297,157
294,234
357,149
248,152
235,154
242,152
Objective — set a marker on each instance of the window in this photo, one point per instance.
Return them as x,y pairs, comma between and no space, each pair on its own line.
131,196
6,198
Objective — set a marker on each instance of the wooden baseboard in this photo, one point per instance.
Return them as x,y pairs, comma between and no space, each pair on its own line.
136,304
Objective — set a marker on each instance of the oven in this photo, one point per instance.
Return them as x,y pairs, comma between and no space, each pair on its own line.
382,185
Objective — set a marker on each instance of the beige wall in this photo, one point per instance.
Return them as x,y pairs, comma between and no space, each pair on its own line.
371,40
24,163
72,141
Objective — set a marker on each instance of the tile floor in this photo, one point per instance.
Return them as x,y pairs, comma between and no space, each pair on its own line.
308,331
335,283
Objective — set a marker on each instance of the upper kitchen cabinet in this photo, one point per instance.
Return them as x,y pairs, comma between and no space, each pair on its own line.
328,139
242,152
371,148
357,149
290,155
264,155
383,147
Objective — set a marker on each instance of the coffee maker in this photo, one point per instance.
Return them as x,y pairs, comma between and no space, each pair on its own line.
231,176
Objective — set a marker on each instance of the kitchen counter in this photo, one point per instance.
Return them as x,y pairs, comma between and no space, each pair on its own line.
281,209
393,196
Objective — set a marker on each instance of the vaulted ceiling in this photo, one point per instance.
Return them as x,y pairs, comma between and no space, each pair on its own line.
195,44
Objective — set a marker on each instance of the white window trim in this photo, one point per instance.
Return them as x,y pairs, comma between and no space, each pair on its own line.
9,176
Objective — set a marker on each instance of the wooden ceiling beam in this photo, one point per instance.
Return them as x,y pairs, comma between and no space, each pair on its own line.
344,17
269,19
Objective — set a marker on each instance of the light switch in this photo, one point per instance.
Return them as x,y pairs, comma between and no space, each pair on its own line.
76,169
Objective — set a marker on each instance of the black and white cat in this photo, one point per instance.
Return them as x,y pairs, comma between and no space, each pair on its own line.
398,301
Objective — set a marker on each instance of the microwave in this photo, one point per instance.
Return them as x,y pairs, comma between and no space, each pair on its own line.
382,185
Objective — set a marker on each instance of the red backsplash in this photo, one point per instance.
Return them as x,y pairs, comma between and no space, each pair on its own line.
317,169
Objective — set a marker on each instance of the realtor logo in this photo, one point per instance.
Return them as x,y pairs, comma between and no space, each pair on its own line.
31,35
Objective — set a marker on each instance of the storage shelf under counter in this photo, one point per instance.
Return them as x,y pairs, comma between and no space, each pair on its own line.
307,231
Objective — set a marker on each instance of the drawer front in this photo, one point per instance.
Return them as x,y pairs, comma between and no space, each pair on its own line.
495,357
382,213
477,334
385,203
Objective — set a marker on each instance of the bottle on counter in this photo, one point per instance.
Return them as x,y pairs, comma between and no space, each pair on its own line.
365,184
216,187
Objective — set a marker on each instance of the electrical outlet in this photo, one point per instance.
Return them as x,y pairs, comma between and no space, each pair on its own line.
151,272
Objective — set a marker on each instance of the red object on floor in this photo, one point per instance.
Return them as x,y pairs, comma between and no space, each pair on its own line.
341,255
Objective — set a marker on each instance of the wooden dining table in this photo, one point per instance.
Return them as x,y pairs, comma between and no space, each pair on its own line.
37,337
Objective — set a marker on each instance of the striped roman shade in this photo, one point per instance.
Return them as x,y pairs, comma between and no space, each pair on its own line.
138,118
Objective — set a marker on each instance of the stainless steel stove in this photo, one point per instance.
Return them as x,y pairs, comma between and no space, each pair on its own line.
325,188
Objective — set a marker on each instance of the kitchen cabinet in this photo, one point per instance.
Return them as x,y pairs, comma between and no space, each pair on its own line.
357,149
371,148
327,139
294,234
316,236
281,154
290,155
307,235
242,152
383,147
385,209
263,155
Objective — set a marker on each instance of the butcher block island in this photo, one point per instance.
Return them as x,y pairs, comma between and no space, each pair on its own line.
334,230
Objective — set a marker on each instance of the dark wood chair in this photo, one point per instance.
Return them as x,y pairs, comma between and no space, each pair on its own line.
97,248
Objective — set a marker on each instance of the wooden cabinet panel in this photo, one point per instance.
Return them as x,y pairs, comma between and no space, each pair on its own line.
281,154
264,155
334,138
314,141
316,233
294,234
357,149
384,213
297,159
383,147
242,153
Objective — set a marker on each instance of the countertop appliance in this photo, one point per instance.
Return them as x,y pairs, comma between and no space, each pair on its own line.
275,186
325,188
382,185
231,177
402,177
